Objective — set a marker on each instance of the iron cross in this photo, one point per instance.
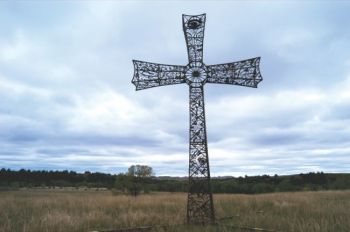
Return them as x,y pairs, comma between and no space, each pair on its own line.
200,208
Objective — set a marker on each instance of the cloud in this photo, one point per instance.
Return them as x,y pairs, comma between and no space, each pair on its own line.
66,101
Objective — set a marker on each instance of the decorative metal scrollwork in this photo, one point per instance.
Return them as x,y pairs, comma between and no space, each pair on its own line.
193,26
148,75
244,73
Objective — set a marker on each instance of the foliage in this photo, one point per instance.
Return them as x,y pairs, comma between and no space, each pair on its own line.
140,171
28,178
139,179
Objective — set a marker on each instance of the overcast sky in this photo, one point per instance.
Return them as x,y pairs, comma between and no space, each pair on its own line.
67,102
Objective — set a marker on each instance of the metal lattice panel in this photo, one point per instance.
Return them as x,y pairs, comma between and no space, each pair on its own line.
245,73
148,75
200,201
193,26
200,209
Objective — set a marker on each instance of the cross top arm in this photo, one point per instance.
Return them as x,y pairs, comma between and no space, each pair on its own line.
193,27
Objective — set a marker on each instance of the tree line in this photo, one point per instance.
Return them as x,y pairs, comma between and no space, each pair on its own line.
141,179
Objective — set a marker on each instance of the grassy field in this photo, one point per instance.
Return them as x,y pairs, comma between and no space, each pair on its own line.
78,210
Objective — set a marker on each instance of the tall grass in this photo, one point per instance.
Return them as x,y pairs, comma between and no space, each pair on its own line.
60,210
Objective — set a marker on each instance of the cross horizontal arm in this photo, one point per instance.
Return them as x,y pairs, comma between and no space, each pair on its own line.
244,73
148,75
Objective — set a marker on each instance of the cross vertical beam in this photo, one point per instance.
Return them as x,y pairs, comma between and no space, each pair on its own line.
200,208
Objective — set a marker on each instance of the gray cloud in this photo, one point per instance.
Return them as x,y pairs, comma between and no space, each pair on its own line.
66,101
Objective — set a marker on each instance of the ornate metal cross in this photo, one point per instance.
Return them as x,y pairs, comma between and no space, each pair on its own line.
200,209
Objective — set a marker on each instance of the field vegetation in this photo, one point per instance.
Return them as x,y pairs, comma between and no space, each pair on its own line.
36,210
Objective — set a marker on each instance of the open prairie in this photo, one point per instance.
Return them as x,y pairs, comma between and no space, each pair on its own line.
79,210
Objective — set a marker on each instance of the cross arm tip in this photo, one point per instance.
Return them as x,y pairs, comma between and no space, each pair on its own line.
136,61
135,84
184,15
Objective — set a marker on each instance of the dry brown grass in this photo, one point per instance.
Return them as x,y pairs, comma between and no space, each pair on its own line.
59,210
303,211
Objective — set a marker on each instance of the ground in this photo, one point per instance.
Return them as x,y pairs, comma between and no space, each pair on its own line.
92,209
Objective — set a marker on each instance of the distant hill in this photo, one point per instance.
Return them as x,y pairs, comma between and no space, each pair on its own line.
12,179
